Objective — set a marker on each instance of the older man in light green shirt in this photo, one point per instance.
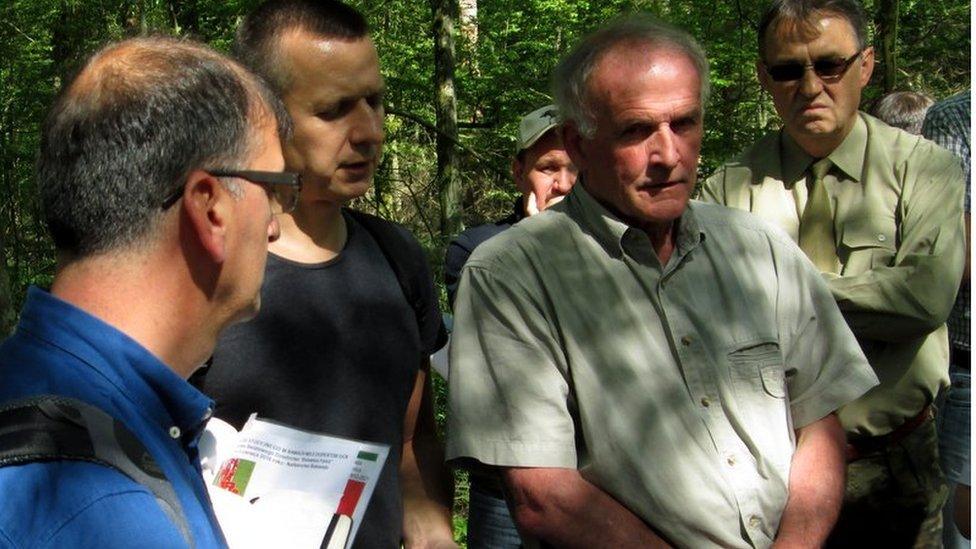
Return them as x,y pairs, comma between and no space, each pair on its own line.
879,212
641,369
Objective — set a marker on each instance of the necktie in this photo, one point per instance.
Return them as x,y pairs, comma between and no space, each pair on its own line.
817,222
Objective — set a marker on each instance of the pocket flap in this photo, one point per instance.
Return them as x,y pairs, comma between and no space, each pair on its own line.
869,233
766,362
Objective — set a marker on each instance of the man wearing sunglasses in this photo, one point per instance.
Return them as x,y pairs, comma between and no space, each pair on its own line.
879,212
161,226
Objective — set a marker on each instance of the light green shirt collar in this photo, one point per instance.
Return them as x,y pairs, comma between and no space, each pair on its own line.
610,231
848,156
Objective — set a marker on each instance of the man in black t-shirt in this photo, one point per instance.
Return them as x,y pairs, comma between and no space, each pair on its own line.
337,347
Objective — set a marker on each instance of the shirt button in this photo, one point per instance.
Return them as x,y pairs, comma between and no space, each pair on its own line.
686,340
754,521
730,460
882,238
706,402
174,432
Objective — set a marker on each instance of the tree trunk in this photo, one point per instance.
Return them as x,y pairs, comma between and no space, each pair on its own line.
446,105
186,18
8,316
469,20
888,34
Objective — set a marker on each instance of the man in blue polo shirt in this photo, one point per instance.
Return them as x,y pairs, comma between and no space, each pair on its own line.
159,175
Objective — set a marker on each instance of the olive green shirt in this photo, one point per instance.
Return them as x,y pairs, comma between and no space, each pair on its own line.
898,231
676,389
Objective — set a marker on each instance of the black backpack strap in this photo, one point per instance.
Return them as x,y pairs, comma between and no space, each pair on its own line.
53,428
396,248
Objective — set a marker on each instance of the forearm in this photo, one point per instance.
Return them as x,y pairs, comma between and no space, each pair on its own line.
910,294
816,485
425,482
899,303
562,509
426,488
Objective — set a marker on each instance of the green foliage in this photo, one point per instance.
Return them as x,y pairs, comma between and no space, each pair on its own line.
500,75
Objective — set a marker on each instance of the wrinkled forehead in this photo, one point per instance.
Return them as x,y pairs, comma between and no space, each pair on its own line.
626,63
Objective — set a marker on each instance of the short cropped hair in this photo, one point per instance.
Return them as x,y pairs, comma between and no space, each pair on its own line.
259,35
128,128
904,109
571,76
801,12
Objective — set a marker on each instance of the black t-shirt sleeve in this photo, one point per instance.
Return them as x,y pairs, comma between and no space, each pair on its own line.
433,334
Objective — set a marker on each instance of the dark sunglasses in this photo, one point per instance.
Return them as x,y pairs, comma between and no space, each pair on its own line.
824,68
283,188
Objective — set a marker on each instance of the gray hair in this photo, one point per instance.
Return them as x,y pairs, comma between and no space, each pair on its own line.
904,109
572,74
128,128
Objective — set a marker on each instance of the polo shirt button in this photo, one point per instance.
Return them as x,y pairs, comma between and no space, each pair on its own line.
754,521
882,238
706,402
730,460
686,340
174,432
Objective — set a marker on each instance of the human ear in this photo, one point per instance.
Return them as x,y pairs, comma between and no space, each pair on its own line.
518,170
572,140
762,76
206,205
867,66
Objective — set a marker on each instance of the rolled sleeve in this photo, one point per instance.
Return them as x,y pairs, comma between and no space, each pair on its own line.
509,395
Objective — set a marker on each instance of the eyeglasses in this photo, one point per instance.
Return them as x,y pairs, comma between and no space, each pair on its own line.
283,188
827,69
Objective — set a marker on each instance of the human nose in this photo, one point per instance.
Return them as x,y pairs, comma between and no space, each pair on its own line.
662,148
367,124
563,180
810,83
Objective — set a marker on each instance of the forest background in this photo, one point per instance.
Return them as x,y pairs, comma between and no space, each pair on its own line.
459,74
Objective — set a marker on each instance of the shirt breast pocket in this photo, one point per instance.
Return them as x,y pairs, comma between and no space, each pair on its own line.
762,407
758,366
866,244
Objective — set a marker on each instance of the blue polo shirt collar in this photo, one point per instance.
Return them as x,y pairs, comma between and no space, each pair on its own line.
151,387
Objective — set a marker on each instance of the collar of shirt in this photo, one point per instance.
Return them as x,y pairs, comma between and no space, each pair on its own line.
150,385
848,156
613,234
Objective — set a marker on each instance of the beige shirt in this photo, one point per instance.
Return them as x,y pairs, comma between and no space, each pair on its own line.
675,389
897,206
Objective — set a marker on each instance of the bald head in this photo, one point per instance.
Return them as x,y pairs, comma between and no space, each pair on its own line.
124,133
